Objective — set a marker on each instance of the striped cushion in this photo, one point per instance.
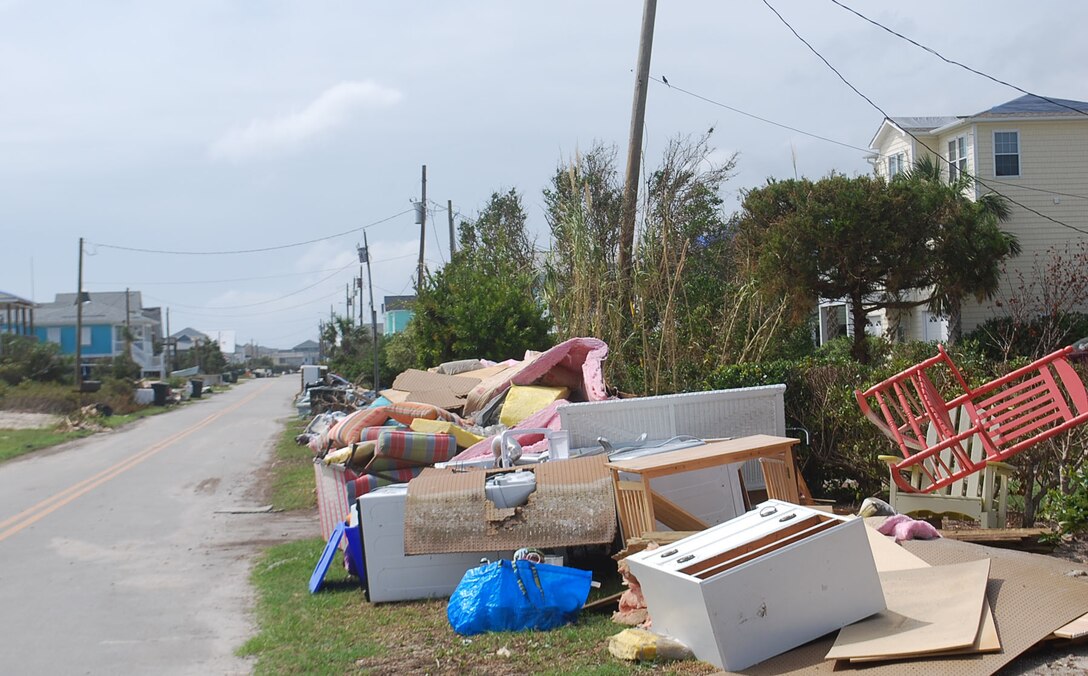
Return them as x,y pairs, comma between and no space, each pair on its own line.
365,484
406,412
418,448
347,431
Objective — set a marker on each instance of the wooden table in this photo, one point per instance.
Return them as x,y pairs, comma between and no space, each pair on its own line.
640,508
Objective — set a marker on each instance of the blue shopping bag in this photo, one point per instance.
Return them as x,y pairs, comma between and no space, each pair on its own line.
516,596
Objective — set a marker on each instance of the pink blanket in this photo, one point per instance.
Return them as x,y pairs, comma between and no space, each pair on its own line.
574,364
547,418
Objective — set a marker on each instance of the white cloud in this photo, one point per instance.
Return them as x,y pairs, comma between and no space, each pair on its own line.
334,108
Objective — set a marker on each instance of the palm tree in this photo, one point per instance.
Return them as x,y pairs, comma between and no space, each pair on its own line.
970,246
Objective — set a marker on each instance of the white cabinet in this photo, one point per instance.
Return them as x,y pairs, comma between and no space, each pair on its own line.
761,584
390,574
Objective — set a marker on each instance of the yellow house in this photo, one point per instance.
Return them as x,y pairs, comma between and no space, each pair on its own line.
1032,150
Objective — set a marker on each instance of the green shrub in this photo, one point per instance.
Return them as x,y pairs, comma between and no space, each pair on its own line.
25,358
1003,338
839,458
61,399
1069,508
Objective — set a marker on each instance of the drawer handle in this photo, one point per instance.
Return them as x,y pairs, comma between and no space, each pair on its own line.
767,511
669,553
789,516
685,559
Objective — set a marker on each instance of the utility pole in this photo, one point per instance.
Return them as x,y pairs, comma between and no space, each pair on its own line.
365,253
166,349
128,326
359,286
453,242
347,304
422,216
634,149
79,322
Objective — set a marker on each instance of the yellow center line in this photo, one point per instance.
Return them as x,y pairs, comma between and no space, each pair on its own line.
45,507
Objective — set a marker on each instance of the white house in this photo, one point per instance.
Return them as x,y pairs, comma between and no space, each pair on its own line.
1032,150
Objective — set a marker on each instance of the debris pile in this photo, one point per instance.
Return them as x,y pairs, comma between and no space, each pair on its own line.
482,481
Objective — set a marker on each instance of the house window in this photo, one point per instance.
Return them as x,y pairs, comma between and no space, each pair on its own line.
957,158
835,321
1006,153
85,335
896,164
52,334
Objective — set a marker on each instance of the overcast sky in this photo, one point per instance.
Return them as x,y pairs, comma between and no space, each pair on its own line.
215,125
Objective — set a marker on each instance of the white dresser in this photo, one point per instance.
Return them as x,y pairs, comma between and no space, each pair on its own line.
760,584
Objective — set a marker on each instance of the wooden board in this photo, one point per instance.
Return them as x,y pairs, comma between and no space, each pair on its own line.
1075,629
929,610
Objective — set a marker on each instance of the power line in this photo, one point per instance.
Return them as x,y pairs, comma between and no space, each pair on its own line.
248,251
309,304
692,94
844,144
953,62
266,302
263,302
907,132
213,281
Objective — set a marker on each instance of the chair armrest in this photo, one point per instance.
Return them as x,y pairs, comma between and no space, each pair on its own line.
890,459
1001,467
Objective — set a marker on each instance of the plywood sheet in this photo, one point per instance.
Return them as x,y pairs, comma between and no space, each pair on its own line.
929,609
1075,629
890,556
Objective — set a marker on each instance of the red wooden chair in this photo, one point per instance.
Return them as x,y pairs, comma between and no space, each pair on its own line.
1008,415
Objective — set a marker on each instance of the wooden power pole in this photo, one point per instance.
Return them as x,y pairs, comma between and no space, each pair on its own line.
79,322
422,213
634,149
453,242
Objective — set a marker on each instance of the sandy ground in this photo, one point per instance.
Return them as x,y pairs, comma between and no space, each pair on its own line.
15,420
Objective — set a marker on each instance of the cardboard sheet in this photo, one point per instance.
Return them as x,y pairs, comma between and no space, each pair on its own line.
395,396
440,390
929,610
447,510
1030,596
889,556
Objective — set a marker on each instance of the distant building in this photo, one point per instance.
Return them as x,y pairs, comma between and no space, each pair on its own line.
310,349
185,339
225,338
105,317
398,312
16,314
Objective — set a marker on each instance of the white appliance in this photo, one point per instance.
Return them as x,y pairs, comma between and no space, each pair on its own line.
390,574
761,584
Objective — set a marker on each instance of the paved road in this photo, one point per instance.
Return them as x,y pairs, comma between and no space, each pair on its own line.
116,554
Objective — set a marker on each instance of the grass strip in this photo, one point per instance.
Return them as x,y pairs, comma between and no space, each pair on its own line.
292,484
14,443
337,631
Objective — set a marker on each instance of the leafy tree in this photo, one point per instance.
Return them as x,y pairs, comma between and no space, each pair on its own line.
968,248
484,302
350,352
855,238
498,233
205,354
